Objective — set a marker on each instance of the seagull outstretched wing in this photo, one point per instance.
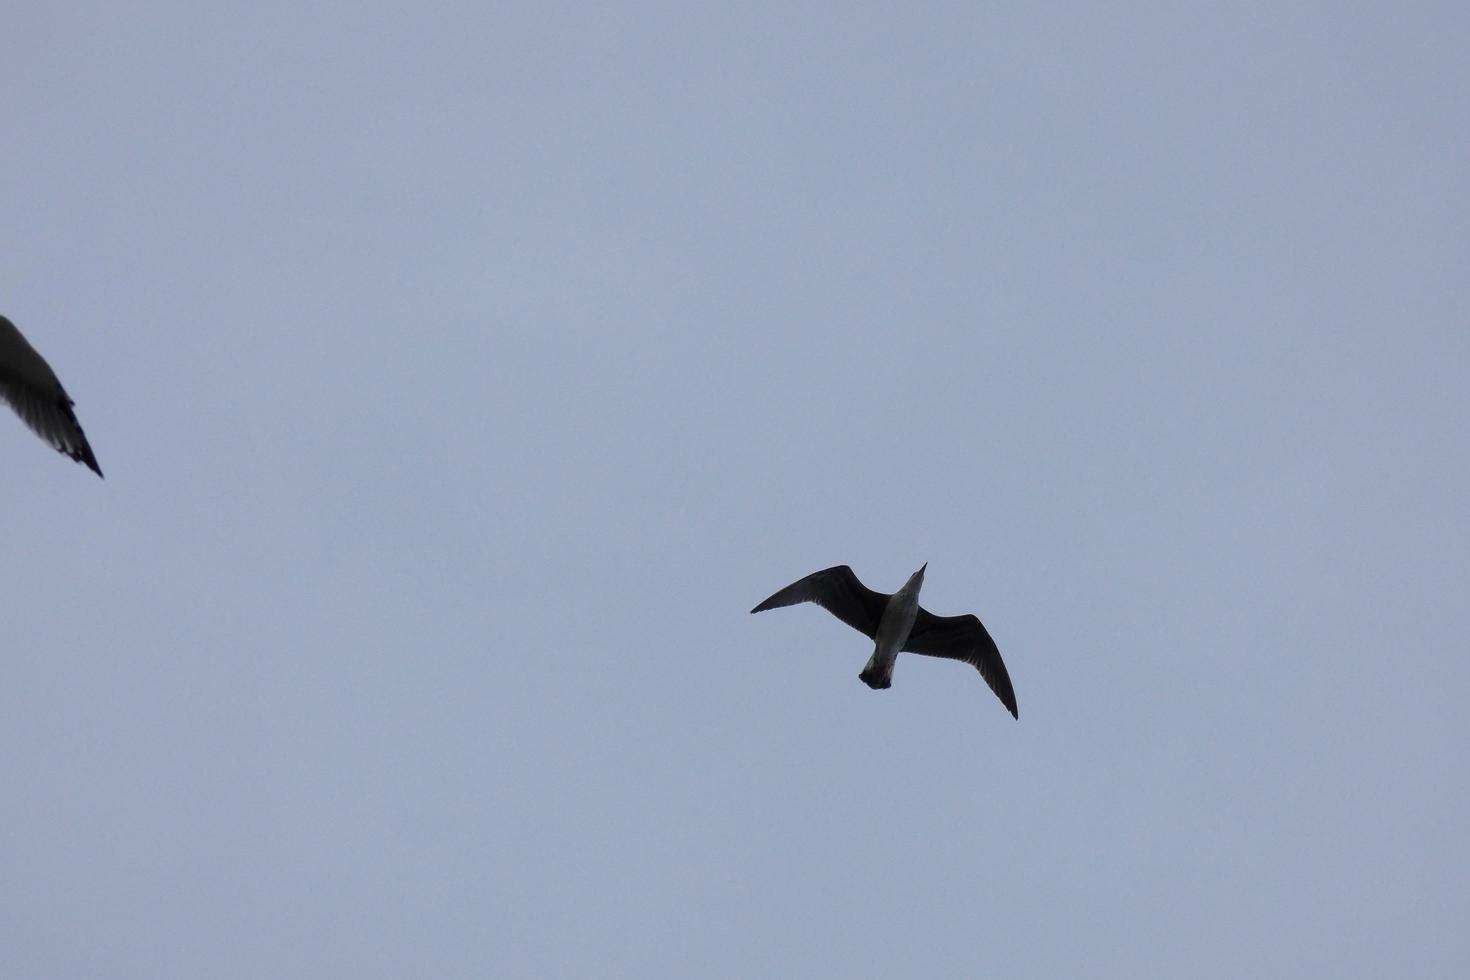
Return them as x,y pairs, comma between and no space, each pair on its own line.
963,638
28,385
838,591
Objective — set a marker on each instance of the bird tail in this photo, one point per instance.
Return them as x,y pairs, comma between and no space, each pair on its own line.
875,675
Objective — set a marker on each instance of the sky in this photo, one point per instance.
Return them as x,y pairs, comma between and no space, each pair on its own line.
464,373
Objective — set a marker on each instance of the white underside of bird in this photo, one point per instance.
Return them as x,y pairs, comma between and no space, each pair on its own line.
899,614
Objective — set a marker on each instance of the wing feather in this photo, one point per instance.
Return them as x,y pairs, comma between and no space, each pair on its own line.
28,385
963,638
838,591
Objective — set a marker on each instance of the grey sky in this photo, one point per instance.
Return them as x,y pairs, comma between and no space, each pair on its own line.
462,376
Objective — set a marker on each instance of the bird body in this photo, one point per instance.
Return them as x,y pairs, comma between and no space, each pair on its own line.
29,386
897,621
898,624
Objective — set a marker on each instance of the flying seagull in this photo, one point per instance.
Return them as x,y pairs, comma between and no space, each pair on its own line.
898,624
29,386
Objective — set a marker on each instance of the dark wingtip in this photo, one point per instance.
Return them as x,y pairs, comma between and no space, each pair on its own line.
82,454
85,457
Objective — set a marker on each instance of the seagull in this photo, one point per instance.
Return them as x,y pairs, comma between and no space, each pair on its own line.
29,386
898,624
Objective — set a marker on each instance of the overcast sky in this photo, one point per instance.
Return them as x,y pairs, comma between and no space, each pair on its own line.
463,374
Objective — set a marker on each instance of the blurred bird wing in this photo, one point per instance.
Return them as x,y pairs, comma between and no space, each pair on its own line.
52,419
28,385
